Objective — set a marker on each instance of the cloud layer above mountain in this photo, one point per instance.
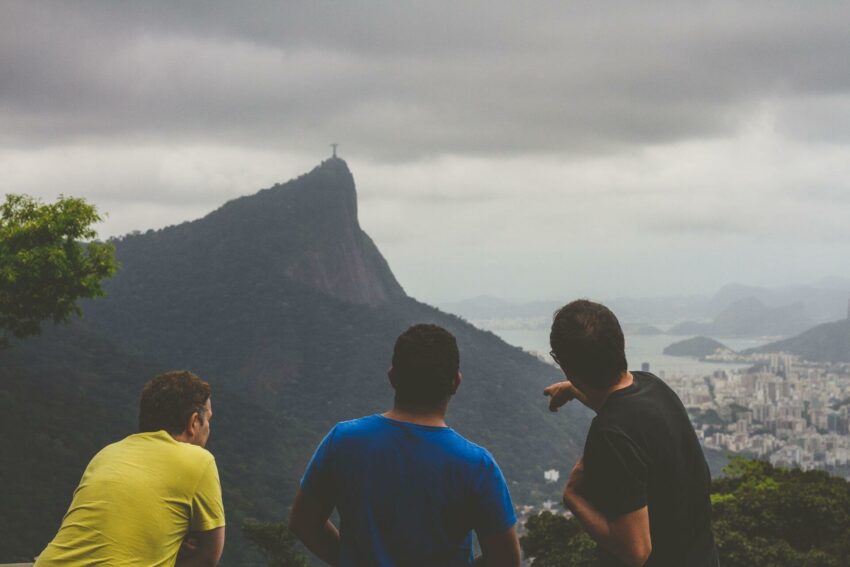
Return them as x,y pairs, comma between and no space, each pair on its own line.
525,150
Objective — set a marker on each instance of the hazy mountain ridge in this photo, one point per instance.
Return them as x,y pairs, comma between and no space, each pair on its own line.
791,308
489,307
822,301
828,342
749,317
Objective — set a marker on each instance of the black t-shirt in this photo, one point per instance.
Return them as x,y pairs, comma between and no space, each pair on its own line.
642,451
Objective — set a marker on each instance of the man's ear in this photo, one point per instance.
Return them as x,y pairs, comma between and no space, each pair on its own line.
458,379
391,376
192,425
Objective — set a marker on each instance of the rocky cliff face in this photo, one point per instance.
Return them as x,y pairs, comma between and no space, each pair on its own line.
337,256
304,231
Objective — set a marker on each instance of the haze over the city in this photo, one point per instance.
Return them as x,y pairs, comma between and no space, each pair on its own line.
522,151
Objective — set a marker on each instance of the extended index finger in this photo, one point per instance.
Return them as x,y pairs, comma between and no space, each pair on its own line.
552,389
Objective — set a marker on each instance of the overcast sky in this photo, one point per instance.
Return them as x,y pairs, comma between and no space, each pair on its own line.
525,150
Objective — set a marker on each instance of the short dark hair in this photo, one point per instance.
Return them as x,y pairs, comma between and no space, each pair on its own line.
587,341
169,399
425,363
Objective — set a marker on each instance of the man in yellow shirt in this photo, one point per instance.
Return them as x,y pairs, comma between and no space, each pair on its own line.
154,498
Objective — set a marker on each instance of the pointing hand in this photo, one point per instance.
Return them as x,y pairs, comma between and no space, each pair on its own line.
560,393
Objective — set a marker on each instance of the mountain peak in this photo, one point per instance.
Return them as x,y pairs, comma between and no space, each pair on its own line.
334,166
312,231
333,161
304,231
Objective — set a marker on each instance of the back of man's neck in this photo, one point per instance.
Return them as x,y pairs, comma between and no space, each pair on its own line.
625,381
420,416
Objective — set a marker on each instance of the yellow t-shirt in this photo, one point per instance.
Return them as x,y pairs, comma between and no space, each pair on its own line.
135,503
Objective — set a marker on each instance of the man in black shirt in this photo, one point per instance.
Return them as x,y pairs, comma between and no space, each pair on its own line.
641,490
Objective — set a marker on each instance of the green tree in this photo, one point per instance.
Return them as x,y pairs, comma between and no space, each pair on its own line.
276,541
555,541
45,267
762,516
776,518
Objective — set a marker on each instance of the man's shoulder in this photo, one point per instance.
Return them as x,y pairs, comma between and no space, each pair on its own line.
651,382
646,378
648,410
159,444
646,390
445,437
658,395
474,450
476,457
201,454
631,408
356,426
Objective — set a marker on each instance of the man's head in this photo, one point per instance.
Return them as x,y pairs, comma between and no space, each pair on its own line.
588,344
425,366
179,403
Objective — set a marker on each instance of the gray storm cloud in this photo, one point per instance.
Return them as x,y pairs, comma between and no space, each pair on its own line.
525,150
411,80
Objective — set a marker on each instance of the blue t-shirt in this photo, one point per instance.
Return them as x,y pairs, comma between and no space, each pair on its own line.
408,495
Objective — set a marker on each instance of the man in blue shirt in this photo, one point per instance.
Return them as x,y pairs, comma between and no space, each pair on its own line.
409,490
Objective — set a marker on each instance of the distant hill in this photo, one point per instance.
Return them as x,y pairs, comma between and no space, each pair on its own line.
290,311
642,330
489,307
749,317
636,311
698,347
790,309
822,301
829,342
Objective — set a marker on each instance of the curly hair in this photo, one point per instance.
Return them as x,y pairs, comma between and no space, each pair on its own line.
425,363
169,399
587,341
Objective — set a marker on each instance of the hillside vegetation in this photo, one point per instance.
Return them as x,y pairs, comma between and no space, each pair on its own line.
763,516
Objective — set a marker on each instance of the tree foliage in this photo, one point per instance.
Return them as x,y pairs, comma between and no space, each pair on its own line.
276,541
555,541
777,517
44,267
762,516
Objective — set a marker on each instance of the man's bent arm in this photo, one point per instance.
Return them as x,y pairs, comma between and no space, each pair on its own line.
206,549
500,550
309,521
627,536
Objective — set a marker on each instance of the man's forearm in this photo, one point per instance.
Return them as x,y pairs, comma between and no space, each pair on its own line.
594,522
323,542
202,549
600,529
